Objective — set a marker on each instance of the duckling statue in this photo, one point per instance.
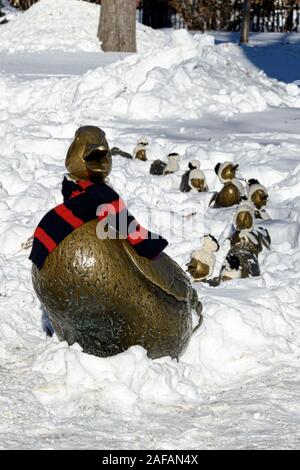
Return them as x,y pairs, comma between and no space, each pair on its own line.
193,179
140,150
116,151
112,292
258,196
173,164
157,168
246,243
203,260
232,192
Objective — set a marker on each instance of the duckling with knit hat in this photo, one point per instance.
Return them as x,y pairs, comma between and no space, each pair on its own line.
202,261
193,179
233,191
140,150
246,243
258,196
159,168
173,164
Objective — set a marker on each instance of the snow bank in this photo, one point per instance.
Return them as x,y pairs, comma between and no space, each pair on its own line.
250,326
119,383
175,75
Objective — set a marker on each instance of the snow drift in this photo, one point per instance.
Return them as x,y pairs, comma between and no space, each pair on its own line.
63,25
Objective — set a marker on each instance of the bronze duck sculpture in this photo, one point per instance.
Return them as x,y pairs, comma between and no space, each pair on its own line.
101,293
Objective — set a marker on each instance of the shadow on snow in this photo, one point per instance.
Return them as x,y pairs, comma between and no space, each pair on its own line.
277,54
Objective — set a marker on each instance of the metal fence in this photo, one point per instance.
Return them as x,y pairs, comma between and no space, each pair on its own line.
277,18
158,14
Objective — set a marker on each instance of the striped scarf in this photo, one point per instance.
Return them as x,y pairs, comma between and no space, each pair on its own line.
85,201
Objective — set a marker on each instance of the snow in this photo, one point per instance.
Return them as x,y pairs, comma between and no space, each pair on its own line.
237,384
276,54
44,28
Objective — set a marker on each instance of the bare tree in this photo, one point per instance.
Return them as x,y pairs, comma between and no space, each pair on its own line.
117,25
244,38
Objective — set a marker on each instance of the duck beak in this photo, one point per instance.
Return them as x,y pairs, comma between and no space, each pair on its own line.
98,159
235,167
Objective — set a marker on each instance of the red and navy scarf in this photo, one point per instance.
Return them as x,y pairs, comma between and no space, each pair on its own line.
81,204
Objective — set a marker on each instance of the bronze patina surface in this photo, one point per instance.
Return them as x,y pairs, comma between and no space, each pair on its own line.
89,155
259,199
199,184
244,220
228,196
197,269
141,155
101,294
229,172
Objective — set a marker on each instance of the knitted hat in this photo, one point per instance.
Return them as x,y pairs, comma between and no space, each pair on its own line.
143,141
220,167
211,241
197,175
253,186
194,164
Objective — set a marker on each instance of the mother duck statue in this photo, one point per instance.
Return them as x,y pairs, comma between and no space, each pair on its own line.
102,278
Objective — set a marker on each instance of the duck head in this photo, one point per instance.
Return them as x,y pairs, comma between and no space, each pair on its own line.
89,156
143,141
199,184
259,198
226,171
257,193
173,157
194,165
244,219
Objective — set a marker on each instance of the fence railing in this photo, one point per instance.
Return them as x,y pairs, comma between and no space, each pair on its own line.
278,18
158,14
224,15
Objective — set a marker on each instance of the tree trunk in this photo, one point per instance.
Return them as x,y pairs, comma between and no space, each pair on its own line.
244,38
117,25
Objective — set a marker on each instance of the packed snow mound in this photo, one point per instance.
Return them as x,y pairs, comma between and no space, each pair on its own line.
175,74
44,26
68,25
186,79
120,383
